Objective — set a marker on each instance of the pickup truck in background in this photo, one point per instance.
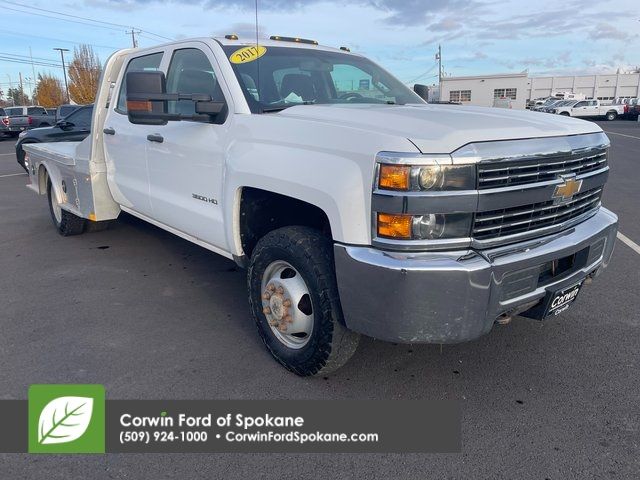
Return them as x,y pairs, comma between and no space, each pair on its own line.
591,108
21,118
356,207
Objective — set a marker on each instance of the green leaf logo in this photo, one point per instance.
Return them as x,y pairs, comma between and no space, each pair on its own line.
64,419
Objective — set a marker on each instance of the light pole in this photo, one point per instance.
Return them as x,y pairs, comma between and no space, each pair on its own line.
64,71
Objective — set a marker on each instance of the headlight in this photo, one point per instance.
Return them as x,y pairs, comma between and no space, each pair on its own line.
431,226
433,177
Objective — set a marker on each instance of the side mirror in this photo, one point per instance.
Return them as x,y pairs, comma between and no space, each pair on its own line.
65,125
422,91
147,99
141,87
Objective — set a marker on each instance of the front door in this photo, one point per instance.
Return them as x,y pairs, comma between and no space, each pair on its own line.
186,158
125,145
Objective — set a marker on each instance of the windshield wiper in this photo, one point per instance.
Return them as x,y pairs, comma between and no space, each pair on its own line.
279,108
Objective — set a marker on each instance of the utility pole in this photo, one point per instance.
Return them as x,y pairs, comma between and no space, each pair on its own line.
64,70
22,99
33,71
133,32
439,58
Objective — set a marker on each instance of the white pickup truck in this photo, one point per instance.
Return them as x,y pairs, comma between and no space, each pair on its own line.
355,207
590,108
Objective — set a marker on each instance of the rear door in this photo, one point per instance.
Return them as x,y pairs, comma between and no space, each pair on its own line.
186,158
592,108
125,143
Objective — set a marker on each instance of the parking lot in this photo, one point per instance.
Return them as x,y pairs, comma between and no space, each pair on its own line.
152,316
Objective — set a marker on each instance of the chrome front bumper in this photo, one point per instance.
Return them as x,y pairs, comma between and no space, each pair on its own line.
452,297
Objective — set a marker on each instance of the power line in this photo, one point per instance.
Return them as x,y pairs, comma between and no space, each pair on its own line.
22,34
82,18
61,19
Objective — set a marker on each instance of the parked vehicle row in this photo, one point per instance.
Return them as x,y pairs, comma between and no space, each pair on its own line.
72,128
14,120
623,107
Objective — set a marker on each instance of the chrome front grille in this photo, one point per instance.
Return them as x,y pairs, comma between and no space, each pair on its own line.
510,221
519,172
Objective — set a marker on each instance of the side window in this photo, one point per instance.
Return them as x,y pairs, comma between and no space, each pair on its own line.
138,64
81,117
191,72
36,111
580,104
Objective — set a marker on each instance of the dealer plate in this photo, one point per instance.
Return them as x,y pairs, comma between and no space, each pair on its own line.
561,300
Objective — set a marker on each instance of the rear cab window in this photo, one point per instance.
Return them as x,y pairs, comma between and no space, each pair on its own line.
145,63
14,112
36,111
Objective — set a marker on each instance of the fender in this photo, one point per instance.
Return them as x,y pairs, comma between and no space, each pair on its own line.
332,170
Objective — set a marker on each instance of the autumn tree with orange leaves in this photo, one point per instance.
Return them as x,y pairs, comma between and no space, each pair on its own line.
49,91
84,75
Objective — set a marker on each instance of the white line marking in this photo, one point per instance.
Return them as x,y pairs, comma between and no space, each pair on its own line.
630,243
7,153
621,134
12,175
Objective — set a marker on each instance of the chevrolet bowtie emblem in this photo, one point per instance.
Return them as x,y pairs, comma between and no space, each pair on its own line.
566,190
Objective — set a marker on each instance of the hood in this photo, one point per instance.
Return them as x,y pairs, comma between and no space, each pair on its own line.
444,128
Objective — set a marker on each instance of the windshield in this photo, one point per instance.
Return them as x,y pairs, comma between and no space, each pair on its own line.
302,76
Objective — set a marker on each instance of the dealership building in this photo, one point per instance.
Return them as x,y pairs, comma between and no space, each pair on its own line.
482,90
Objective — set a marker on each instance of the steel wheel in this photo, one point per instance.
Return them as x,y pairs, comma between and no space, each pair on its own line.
286,304
55,207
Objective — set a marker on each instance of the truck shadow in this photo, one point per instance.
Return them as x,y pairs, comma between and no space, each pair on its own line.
200,298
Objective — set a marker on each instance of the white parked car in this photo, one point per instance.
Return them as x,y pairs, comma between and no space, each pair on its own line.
591,108
355,207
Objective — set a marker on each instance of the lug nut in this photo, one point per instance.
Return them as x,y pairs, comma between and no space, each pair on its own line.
288,319
273,322
282,327
280,290
266,310
266,296
287,303
271,287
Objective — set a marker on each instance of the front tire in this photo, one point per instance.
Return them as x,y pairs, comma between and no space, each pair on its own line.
611,116
65,222
294,300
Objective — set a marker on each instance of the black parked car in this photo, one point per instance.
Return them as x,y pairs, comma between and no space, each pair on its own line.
73,128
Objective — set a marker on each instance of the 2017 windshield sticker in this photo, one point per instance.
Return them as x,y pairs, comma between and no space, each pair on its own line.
247,54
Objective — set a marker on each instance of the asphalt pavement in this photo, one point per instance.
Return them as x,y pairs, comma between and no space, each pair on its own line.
152,316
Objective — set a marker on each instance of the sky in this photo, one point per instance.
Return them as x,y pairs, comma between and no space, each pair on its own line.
477,36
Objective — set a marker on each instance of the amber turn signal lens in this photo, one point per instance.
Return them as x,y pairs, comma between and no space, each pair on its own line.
139,105
394,177
394,226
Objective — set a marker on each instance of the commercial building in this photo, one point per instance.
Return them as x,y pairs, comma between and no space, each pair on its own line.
482,90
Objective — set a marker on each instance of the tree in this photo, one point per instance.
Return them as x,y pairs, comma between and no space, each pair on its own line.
49,92
84,75
17,96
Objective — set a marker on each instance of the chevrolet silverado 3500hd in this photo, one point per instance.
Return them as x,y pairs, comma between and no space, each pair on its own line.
355,207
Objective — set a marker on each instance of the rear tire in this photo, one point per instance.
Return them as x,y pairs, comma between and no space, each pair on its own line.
294,300
65,222
611,116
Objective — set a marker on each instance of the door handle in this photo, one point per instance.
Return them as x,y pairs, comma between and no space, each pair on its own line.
109,131
155,138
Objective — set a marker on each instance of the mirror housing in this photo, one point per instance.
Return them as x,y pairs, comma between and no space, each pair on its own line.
147,100
422,91
64,125
141,86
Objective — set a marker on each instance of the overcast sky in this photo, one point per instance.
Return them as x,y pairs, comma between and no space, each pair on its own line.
477,36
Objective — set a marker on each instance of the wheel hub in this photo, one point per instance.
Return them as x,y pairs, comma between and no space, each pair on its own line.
283,293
